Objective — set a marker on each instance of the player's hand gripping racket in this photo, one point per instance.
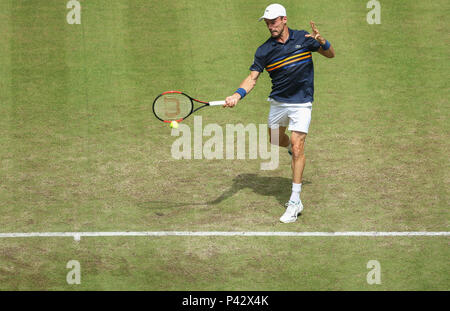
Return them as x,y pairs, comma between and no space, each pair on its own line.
177,106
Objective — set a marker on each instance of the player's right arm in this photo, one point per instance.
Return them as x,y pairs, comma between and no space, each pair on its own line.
248,84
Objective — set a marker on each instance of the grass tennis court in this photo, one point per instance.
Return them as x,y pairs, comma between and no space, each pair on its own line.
82,151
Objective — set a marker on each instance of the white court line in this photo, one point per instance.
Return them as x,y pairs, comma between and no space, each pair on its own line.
77,235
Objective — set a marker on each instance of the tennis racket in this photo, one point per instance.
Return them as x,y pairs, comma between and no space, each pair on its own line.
177,106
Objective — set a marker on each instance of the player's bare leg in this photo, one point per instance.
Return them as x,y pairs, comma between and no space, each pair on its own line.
283,138
298,156
295,206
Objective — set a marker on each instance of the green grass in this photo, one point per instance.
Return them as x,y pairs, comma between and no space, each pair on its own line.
239,263
81,150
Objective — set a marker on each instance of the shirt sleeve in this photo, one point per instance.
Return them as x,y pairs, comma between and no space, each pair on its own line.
258,63
311,43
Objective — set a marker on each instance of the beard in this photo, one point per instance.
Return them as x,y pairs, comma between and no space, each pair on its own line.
276,34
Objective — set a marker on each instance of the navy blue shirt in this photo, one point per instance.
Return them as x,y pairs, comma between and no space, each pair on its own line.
290,67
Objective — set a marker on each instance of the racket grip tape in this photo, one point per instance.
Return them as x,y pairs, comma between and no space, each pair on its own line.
217,103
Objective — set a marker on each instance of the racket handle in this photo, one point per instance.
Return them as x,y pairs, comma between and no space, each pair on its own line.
217,103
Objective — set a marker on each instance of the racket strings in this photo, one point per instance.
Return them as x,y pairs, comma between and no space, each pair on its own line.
170,107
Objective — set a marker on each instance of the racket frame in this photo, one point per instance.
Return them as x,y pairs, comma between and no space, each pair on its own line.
216,103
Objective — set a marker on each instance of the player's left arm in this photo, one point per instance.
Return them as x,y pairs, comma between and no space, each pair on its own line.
326,49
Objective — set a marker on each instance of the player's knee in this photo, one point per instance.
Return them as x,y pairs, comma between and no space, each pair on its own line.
298,151
280,141
296,154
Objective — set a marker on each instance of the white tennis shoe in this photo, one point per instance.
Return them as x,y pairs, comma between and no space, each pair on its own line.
292,211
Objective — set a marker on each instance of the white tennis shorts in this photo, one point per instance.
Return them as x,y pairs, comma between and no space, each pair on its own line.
296,117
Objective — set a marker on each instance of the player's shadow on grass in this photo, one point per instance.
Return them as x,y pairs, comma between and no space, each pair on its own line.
278,187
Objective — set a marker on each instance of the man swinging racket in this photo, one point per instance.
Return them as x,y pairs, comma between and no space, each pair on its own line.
287,57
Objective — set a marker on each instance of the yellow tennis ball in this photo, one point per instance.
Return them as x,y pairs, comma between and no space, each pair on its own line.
174,124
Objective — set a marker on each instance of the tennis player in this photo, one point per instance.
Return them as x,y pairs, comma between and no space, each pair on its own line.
287,57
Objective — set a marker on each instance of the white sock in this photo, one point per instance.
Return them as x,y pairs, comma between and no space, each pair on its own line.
296,189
